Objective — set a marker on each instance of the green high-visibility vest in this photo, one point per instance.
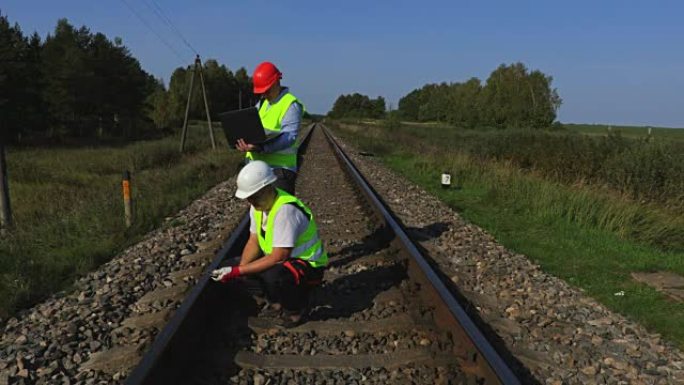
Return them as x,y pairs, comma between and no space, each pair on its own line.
271,117
308,245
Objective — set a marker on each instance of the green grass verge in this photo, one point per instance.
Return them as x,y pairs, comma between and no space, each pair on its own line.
68,206
586,236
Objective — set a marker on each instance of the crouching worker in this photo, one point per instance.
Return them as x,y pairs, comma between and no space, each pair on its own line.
284,252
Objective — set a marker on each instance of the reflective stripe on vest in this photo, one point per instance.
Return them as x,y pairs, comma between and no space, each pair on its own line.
308,245
271,118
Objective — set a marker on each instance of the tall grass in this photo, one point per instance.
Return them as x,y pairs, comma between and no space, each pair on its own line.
643,169
630,187
68,207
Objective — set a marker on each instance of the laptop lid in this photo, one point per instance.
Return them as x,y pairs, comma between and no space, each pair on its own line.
242,124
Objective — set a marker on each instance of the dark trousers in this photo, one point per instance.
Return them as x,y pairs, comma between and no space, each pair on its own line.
286,179
288,283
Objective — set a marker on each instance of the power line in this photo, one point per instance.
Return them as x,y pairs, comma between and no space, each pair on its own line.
162,16
142,20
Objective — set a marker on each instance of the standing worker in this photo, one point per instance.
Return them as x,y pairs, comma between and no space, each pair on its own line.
280,113
284,252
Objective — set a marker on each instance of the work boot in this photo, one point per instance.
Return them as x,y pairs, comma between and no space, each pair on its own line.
271,310
293,318
290,320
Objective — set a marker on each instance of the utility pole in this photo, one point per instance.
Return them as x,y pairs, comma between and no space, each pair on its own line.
240,98
198,64
197,69
6,215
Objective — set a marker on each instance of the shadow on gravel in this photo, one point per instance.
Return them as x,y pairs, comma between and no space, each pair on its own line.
222,334
355,292
378,240
428,232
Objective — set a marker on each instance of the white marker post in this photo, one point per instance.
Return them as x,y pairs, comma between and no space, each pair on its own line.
446,180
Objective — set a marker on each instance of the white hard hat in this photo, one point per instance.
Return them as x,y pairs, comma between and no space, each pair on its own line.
253,177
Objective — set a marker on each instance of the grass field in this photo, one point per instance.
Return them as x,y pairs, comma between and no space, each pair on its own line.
591,236
68,206
675,134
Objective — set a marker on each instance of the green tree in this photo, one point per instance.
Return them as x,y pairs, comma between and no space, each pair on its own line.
223,91
358,106
63,67
409,105
379,107
35,118
16,86
160,107
511,97
245,88
221,88
92,85
464,102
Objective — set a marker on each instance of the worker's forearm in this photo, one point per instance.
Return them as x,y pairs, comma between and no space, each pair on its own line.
251,251
278,254
259,265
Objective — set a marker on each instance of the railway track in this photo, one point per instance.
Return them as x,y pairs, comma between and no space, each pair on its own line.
381,315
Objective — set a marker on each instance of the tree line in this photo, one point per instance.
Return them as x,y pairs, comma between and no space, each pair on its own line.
512,96
74,83
358,106
80,84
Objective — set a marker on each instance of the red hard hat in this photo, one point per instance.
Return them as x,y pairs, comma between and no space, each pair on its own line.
265,76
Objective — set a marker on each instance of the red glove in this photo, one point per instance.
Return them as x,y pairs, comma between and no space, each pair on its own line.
225,274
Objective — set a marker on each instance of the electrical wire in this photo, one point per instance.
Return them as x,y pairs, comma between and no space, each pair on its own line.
156,8
142,20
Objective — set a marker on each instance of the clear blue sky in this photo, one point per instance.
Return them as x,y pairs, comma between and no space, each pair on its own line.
619,62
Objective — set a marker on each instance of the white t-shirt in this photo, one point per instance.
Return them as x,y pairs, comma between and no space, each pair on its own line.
289,224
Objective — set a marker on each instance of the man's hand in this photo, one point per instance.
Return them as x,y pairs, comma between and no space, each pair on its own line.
225,274
243,146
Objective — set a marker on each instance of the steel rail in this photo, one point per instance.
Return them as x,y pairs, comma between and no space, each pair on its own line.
166,349
492,366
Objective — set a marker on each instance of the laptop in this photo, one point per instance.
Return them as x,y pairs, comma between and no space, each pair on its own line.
244,124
